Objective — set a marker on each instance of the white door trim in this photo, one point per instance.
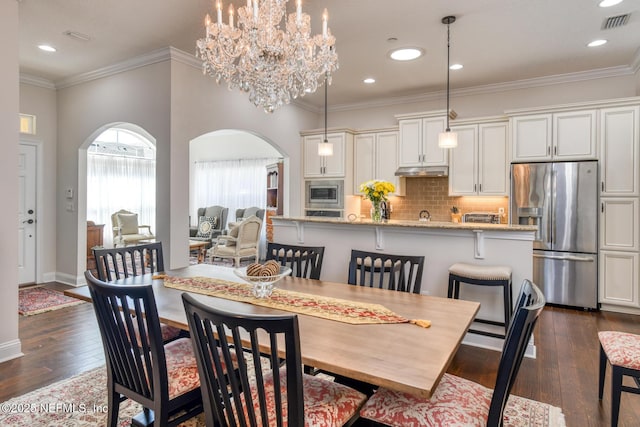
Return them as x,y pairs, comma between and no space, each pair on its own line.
39,202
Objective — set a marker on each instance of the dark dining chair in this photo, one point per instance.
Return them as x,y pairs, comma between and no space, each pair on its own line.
130,261
304,261
386,271
263,390
458,401
123,262
163,378
622,351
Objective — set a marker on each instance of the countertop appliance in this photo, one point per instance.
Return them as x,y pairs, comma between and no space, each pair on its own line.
561,198
481,217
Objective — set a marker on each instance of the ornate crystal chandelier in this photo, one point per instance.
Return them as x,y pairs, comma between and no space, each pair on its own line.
273,64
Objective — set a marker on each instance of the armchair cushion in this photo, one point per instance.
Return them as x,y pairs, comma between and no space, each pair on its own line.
206,224
128,223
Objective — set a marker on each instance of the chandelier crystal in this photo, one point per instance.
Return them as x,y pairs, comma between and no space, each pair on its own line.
274,63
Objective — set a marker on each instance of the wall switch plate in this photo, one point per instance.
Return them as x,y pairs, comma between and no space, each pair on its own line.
69,193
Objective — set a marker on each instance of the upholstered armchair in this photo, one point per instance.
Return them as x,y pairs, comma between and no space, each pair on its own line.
243,213
242,241
126,229
212,221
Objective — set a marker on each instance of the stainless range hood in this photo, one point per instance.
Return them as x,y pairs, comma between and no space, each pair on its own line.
428,171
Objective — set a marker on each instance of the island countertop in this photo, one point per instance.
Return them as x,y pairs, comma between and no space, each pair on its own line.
412,223
440,243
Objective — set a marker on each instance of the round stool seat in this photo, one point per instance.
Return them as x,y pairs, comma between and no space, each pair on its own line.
481,272
483,275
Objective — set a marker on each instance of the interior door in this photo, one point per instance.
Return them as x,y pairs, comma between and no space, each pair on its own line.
27,214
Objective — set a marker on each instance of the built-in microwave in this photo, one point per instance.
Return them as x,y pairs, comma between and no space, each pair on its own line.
324,194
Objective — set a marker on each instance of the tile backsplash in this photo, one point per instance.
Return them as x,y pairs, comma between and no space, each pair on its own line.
432,194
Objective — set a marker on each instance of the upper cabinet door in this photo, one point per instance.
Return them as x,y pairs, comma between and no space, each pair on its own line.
493,159
313,163
531,137
463,166
433,154
335,165
386,159
410,147
364,159
619,141
574,135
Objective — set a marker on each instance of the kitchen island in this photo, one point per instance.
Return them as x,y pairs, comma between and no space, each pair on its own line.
441,243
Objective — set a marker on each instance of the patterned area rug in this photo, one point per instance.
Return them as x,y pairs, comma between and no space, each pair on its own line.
80,401
35,300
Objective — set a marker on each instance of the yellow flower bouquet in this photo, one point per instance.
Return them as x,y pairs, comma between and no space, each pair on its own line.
376,191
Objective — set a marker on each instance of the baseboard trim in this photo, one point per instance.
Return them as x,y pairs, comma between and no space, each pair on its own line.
70,280
49,277
10,350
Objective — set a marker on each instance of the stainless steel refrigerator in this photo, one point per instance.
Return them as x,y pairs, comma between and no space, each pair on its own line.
561,198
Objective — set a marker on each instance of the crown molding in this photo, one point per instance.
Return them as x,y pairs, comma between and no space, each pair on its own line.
32,80
601,73
159,55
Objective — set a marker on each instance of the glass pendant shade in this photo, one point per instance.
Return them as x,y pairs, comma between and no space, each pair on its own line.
447,139
325,149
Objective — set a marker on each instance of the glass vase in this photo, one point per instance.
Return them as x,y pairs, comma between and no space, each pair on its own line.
376,211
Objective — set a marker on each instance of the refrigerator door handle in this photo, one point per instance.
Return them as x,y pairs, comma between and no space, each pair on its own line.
566,257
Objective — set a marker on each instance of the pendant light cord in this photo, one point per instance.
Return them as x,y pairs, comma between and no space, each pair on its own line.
448,70
325,109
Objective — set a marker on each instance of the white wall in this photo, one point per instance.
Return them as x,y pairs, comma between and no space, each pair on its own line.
139,96
175,103
198,106
41,102
9,342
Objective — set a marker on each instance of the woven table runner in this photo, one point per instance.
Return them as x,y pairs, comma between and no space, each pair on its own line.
345,311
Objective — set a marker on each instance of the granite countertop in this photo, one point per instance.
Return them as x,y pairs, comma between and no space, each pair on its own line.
412,223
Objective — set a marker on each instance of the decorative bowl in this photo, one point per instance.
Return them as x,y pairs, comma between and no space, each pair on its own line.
262,285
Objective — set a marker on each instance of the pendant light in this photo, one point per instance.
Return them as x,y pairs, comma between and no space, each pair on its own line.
448,139
325,148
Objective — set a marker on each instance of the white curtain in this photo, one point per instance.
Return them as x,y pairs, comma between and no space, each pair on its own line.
233,184
116,182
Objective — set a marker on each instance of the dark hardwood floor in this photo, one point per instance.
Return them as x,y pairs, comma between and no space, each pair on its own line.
65,342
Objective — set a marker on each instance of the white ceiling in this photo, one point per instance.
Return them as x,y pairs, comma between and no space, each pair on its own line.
497,41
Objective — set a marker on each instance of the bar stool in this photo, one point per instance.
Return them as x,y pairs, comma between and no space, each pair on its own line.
483,275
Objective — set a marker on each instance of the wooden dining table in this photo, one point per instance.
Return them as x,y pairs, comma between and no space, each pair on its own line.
399,356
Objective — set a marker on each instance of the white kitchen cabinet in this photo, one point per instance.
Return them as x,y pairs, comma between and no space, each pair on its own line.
418,144
376,157
619,140
569,135
618,281
619,224
479,164
316,166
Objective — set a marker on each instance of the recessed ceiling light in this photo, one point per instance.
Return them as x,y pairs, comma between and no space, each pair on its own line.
609,3
406,54
456,67
596,43
369,80
46,48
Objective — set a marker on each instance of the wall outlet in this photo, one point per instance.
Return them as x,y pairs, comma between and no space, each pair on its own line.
501,211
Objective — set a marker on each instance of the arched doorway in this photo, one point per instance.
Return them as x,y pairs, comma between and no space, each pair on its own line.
228,168
116,170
